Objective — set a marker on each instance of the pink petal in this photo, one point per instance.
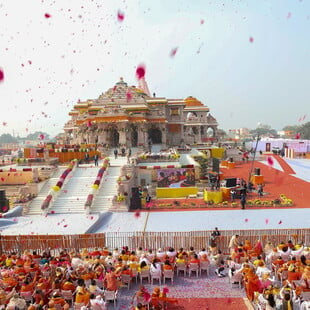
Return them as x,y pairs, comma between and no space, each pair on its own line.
91,217
1,75
120,16
129,95
266,221
4,123
270,161
140,72
137,214
202,21
89,123
289,15
66,225
251,39
246,220
280,222
46,15
52,212
173,52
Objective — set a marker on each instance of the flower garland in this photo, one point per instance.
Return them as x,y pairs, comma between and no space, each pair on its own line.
56,188
95,186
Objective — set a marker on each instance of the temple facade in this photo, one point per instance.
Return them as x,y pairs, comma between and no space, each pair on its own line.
129,116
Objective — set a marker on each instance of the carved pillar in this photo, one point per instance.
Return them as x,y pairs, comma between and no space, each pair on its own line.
164,135
122,136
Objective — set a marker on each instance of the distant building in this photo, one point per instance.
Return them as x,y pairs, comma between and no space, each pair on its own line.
129,116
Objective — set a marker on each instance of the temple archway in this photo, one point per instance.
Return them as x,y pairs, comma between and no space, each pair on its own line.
155,135
134,136
114,137
210,132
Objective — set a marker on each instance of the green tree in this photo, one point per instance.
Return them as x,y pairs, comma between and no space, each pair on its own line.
304,131
7,138
263,131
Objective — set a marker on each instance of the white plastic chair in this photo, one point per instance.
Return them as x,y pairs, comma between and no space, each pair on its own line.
68,296
193,267
181,267
126,280
111,296
205,266
168,274
144,273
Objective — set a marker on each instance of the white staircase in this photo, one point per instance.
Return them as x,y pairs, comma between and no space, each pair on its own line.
108,189
35,205
73,195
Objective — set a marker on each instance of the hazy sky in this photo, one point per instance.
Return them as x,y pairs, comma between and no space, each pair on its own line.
82,49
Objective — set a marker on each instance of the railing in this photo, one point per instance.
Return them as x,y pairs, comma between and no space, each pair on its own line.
148,240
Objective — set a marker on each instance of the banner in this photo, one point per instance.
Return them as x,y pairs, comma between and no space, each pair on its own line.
182,177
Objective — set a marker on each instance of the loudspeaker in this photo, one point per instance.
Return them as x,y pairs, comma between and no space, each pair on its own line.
4,205
135,203
257,171
215,165
231,182
2,194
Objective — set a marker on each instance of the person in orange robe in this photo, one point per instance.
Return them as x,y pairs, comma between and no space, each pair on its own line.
111,280
68,285
251,285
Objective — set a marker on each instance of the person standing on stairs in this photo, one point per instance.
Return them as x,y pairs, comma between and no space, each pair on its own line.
115,153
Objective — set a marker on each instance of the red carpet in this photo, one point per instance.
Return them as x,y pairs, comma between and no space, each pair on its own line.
276,183
284,165
209,304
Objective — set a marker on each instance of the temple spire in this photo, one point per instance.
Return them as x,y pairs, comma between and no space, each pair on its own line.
143,86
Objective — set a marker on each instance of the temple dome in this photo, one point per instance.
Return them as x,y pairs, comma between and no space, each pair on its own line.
192,102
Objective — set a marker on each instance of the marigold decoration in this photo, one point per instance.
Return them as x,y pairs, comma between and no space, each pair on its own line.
55,188
95,186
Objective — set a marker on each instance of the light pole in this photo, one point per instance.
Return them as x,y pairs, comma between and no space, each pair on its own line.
252,165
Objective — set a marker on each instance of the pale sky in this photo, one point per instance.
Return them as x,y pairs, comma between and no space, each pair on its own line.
83,49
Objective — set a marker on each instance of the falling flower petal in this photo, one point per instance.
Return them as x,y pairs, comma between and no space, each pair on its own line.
173,52
289,15
266,221
202,21
140,72
46,15
52,212
280,222
270,161
89,123
1,75
246,220
66,225
4,123
137,214
251,39
129,95
120,16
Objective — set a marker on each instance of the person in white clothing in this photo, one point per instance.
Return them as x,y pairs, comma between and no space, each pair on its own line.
97,302
160,254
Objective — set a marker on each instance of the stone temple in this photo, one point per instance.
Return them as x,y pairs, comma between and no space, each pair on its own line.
129,116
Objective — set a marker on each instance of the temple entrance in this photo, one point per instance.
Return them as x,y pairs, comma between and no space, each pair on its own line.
134,136
155,135
114,138
210,132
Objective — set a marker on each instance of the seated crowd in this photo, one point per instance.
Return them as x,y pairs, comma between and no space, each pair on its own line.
279,274
274,276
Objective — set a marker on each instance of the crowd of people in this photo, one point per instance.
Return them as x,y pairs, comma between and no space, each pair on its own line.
273,276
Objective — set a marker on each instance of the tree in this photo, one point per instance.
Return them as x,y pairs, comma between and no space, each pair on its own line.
264,131
7,138
304,131
36,136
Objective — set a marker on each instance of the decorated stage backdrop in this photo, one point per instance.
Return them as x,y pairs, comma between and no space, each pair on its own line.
176,177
